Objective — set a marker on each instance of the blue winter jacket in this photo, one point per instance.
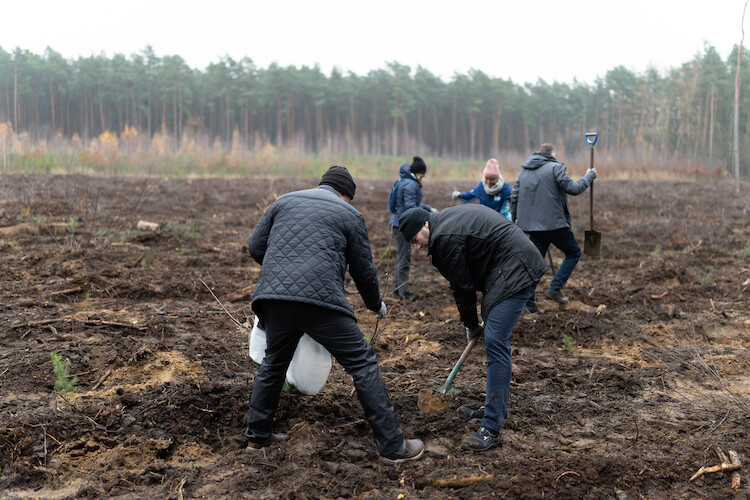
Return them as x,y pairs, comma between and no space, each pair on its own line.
409,194
499,202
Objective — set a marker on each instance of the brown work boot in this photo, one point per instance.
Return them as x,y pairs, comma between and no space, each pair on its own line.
413,451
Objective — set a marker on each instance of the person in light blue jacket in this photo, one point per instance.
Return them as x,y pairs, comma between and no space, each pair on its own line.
491,192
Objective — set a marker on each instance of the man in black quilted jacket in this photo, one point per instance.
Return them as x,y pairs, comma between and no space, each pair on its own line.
478,250
304,243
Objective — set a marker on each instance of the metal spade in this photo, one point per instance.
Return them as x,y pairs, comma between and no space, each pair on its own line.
592,240
439,398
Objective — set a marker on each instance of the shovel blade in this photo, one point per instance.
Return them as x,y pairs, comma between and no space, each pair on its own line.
592,243
430,401
441,389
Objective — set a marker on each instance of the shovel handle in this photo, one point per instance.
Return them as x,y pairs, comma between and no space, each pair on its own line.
591,199
454,372
468,349
591,138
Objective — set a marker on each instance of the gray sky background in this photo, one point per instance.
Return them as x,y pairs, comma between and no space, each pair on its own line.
521,40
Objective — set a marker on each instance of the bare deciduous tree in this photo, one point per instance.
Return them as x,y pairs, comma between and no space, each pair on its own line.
736,143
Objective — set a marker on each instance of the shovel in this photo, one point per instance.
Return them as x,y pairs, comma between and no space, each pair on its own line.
592,240
430,400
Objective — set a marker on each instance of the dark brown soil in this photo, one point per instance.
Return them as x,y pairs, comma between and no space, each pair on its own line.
623,395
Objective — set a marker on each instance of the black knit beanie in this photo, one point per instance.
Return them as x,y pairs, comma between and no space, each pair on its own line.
411,221
339,179
418,166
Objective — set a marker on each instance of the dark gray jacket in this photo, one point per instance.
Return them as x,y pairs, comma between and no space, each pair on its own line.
478,250
304,242
539,201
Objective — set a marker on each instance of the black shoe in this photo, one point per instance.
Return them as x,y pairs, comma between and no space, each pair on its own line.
413,451
557,296
478,413
534,309
408,297
482,440
255,447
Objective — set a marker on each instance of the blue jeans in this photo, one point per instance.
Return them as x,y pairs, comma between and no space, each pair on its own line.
565,240
497,332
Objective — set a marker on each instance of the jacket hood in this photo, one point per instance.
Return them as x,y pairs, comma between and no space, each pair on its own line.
537,160
405,172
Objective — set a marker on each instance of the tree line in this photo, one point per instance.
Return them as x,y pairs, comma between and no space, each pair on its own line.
683,116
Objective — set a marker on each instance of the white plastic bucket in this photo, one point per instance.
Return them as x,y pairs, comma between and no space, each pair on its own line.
310,365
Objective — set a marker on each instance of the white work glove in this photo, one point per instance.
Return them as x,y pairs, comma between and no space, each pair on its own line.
455,194
474,332
382,312
434,210
592,171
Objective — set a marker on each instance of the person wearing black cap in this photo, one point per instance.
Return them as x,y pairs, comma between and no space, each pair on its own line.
477,249
304,242
408,195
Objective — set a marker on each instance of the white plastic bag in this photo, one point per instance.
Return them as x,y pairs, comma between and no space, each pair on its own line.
310,365
257,342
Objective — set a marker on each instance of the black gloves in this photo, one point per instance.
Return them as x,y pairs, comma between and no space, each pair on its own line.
474,332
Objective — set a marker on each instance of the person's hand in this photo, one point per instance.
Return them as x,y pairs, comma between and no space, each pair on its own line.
455,194
592,171
434,210
474,332
380,314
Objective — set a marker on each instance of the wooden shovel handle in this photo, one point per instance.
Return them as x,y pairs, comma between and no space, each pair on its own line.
591,189
468,349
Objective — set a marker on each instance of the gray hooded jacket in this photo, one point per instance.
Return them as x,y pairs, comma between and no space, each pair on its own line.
539,201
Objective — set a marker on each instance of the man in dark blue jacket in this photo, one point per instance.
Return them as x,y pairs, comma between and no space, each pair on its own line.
539,206
304,242
478,250
409,195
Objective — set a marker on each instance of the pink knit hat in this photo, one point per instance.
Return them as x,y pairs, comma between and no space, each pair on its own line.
492,169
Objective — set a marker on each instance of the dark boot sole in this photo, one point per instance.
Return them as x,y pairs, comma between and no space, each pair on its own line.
469,448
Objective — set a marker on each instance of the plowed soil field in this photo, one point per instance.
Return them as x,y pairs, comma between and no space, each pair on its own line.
625,394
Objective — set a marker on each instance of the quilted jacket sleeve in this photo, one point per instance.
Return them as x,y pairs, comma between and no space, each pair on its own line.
258,243
361,266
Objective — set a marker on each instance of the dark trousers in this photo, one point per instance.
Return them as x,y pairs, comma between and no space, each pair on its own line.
285,323
497,332
565,240
403,260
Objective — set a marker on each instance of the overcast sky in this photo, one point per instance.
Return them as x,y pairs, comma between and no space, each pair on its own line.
521,40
